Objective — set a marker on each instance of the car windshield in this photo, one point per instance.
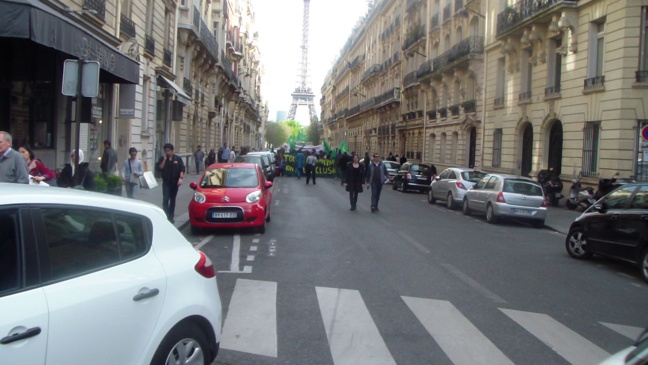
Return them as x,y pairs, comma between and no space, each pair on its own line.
391,165
420,168
519,186
252,159
472,176
230,178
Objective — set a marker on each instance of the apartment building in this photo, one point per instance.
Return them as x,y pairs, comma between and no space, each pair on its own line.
565,88
169,72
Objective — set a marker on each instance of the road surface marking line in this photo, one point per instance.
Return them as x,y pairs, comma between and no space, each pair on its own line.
236,251
570,345
277,203
256,240
627,331
251,322
253,248
461,341
250,257
474,284
203,242
414,243
352,334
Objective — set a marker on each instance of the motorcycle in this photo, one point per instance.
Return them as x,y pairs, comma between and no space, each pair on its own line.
579,197
552,186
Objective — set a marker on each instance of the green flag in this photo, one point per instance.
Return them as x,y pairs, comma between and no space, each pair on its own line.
291,142
301,137
327,148
343,147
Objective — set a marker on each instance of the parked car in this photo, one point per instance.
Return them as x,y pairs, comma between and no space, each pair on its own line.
637,354
231,195
616,226
90,278
266,167
507,196
413,176
451,185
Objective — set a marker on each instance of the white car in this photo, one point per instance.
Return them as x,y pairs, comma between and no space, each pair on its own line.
637,354
88,278
451,185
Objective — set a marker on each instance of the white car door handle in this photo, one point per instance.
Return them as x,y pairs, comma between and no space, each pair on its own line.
148,294
20,336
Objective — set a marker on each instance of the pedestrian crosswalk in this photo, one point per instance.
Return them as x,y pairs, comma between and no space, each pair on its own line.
354,338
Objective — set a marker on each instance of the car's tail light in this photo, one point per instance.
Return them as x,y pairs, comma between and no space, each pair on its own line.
205,267
460,185
500,198
544,203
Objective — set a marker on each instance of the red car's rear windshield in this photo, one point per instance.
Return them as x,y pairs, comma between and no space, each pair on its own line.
230,178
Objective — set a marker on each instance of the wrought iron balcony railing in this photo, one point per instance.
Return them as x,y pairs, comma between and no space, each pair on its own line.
376,68
410,79
414,35
427,68
167,57
149,45
593,82
523,96
208,39
127,26
523,10
97,6
552,90
470,45
499,101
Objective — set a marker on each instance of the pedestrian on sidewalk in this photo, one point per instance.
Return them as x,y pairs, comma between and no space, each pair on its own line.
211,158
224,154
199,155
131,171
172,170
108,159
77,178
377,175
13,168
232,156
355,177
311,160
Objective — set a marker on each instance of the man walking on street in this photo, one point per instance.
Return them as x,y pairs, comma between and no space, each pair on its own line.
172,170
108,159
299,163
199,155
377,175
311,160
225,155
13,168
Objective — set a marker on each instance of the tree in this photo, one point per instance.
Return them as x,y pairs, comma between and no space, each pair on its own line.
294,127
277,133
312,131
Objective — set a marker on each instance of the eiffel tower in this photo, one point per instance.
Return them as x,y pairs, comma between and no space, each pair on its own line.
303,94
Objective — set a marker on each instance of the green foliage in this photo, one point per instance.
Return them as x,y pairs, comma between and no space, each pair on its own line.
313,132
276,133
113,182
100,183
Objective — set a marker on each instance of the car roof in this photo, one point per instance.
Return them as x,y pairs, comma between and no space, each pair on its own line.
31,194
511,176
466,169
233,165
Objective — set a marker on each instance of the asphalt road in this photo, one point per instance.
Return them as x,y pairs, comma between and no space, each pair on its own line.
412,284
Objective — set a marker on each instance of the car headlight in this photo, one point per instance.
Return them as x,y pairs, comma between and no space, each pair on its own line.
253,197
199,197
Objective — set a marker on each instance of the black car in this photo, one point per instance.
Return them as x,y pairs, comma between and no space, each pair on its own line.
615,226
262,161
413,176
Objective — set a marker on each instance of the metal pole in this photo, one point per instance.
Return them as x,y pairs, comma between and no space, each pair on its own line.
79,99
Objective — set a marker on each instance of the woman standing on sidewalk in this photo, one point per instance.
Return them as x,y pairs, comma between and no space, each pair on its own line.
355,176
131,171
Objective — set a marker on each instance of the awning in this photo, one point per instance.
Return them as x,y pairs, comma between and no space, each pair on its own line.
180,94
31,19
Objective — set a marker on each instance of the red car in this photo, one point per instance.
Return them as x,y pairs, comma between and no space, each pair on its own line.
231,195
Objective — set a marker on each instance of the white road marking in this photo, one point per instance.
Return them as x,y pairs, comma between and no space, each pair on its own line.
276,202
352,335
455,334
236,251
203,242
627,331
250,257
256,240
253,248
567,343
474,284
251,322
414,243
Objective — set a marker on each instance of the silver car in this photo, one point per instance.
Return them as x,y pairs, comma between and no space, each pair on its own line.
392,169
507,196
451,185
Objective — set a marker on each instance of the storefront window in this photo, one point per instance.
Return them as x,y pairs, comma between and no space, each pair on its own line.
641,169
31,113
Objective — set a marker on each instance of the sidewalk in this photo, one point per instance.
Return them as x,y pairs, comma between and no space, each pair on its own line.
185,194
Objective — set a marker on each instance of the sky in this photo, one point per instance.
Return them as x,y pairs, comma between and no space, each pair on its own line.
279,23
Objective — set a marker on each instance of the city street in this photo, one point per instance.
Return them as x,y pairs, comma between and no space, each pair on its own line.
411,284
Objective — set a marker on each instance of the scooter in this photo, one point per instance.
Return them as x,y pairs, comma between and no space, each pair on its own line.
552,186
579,197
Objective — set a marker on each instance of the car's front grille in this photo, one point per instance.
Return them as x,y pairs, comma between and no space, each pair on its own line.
224,215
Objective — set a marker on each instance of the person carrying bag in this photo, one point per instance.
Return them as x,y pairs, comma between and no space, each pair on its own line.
132,170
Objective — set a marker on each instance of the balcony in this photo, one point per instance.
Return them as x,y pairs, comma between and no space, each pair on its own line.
454,110
149,45
552,91
97,6
374,69
410,79
499,102
443,112
594,82
415,34
427,68
389,96
523,10
469,106
208,40
524,96
342,93
469,46
432,114
167,57
186,85
127,26
641,76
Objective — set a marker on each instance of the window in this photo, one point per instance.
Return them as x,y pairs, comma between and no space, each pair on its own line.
216,30
555,67
126,8
491,183
445,174
641,170
527,75
590,148
619,198
84,240
10,267
501,79
640,200
597,49
642,75
482,182
497,148
150,15
442,148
